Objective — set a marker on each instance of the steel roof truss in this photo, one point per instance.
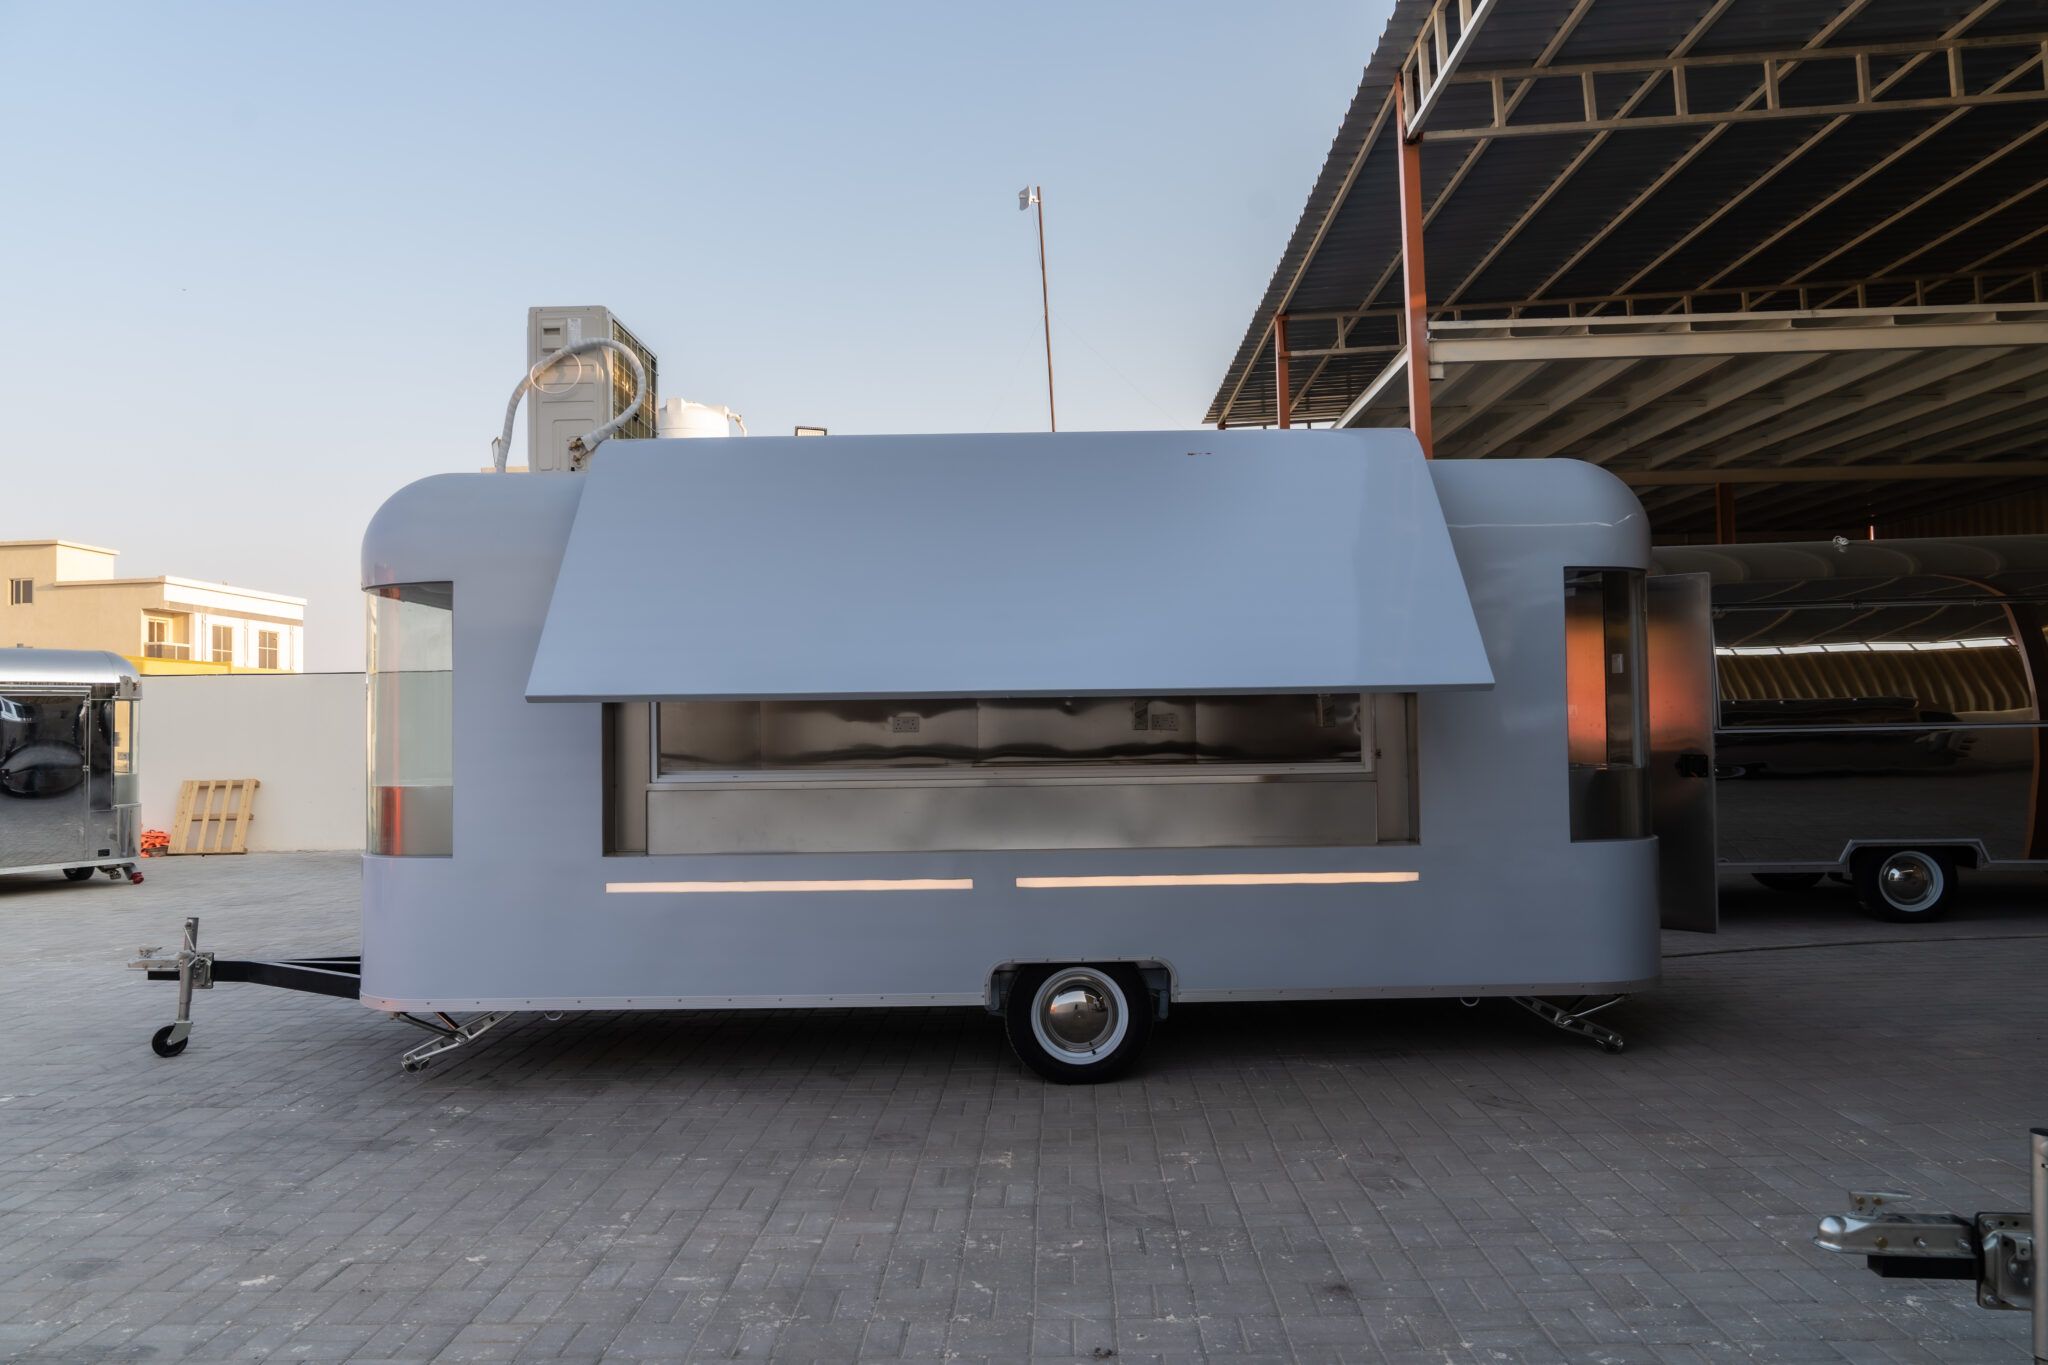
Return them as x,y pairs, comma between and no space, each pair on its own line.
1681,102
1773,66
1637,96
1561,395
1643,424
1811,385
1815,416
1970,401
1434,60
1470,394
1807,144
1503,108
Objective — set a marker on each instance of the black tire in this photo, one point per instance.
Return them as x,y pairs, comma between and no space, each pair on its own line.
1905,885
79,874
161,1043
1786,881
1109,996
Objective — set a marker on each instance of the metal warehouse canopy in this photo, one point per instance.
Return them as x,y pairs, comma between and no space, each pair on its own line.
1789,253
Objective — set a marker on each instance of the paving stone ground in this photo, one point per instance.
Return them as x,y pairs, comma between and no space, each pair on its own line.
1402,1182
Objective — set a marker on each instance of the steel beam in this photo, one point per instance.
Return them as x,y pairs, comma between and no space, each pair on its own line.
1806,111
1471,394
1502,110
1586,379
1395,372
1972,399
1283,398
1432,63
1507,106
1415,282
1831,473
1813,385
1964,327
1744,377
1818,416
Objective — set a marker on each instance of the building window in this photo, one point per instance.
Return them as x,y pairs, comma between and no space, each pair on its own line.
20,591
223,644
266,649
160,638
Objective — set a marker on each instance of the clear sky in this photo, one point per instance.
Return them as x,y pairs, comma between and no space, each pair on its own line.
262,265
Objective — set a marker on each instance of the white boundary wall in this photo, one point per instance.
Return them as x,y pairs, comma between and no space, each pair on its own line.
301,735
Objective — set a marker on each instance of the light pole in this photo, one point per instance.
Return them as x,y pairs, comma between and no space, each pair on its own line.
1027,197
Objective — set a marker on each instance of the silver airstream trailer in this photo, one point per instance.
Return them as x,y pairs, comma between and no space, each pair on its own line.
69,799
1073,727
1879,712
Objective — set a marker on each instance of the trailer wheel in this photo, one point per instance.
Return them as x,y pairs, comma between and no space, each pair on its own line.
1786,881
161,1043
79,874
1905,885
1078,1024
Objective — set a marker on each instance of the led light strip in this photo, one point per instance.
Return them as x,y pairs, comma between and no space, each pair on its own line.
664,888
1222,879
1868,647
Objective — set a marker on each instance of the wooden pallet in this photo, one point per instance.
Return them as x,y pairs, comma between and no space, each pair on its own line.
214,815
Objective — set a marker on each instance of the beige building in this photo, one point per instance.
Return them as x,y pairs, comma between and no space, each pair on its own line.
63,595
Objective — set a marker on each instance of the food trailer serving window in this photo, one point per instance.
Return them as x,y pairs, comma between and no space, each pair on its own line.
1011,733
412,719
1105,564
1308,770
1111,640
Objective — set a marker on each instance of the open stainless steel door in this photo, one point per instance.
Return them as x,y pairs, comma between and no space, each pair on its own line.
1682,707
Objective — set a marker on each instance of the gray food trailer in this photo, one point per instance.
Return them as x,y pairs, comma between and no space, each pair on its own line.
69,800
1879,711
1073,727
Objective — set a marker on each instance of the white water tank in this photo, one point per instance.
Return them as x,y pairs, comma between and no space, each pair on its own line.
680,417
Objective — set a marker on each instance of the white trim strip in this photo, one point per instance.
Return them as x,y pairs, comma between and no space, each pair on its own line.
664,888
1222,879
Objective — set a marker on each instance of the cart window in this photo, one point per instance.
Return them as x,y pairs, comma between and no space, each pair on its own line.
1603,617
121,720
1011,732
42,746
412,719
1871,664
922,775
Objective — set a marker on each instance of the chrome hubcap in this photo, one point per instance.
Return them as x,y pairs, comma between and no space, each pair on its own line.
1078,1013
1909,880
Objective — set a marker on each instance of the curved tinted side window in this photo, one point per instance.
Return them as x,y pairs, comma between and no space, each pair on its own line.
1885,664
412,719
42,746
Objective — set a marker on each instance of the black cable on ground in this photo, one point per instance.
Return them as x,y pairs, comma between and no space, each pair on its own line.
1854,943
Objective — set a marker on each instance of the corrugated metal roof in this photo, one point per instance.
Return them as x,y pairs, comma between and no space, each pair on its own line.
1924,205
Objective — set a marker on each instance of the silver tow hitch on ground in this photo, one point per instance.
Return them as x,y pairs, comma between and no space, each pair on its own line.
1997,1250
195,969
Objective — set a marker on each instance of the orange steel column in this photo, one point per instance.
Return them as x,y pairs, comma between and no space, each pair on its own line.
1413,282
1283,397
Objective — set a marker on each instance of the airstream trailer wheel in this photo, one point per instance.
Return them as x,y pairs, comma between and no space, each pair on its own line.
1786,881
1905,885
1078,1024
79,874
160,1042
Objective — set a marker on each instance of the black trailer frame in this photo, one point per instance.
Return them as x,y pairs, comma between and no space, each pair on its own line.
196,969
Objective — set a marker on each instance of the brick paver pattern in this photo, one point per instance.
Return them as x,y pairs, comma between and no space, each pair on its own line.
1388,1181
